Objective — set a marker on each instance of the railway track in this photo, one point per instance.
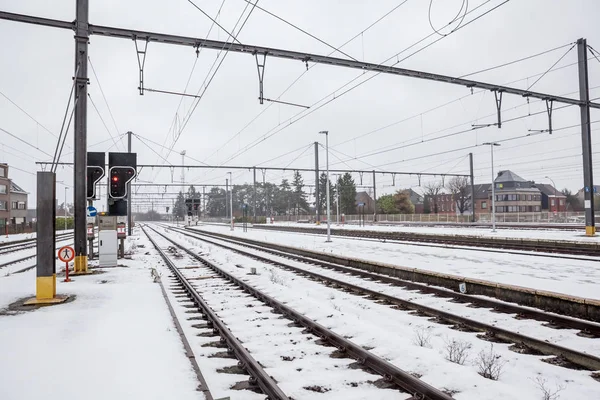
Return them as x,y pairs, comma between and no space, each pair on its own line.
339,279
337,364
24,244
473,242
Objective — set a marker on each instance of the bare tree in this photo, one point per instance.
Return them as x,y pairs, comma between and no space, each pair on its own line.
459,187
431,192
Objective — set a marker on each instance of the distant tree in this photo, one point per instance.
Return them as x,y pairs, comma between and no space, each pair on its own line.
460,188
402,203
179,209
300,203
323,193
215,204
347,189
283,198
431,192
150,215
386,204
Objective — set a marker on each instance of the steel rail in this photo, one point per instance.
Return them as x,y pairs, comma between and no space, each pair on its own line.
16,243
401,378
25,246
585,360
156,37
587,327
263,380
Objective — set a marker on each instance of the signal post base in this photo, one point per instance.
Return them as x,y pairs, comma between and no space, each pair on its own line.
55,300
81,265
590,231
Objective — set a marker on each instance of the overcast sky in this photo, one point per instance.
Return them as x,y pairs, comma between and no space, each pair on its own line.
386,112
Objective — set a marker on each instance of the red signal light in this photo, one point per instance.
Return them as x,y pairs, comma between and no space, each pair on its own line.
115,178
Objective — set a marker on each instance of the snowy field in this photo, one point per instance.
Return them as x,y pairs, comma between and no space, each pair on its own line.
115,341
392,334
562,235
574,277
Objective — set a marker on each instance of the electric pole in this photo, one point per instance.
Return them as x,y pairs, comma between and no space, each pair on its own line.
129,194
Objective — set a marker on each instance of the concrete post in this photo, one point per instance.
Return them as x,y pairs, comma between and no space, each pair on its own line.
45,283
80,134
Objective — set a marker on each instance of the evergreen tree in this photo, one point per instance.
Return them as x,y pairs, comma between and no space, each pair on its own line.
282,198
179,209
347,189
300,203
386,204
323,194
402,203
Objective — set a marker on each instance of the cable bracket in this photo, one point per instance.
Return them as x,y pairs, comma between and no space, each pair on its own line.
498,97
549,104
261,74
141,57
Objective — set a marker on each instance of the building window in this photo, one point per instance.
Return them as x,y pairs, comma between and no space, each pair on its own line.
484,205
538,209
2,172
15,204
553,202
443,207
529,197
2,188
21,205
562,202
2,205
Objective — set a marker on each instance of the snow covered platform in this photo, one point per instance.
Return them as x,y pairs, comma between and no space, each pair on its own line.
514,233
566,276
113,339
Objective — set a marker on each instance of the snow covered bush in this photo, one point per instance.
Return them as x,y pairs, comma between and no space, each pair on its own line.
457,351
547,392
422,336
490,364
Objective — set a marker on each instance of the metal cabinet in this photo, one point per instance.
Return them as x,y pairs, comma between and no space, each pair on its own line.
107,248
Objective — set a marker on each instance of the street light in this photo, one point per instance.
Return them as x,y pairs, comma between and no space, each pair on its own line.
492,144
326,133
66,207
231,199
553,184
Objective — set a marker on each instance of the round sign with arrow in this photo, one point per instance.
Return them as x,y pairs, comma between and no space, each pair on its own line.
91,211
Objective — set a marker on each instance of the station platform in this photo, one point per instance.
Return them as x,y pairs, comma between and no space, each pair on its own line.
113,339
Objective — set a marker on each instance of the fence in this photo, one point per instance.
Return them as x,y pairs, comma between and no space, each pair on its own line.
575,218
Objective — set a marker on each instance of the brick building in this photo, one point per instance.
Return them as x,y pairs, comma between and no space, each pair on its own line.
364,198
552,199
4,195
13,201
516,195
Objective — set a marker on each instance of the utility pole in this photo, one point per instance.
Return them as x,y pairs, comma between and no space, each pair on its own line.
586,139
231,198
492,144
374,198
317,200
203,212
80,134
254,195
129,194
226,197
472,188
326,133
182,172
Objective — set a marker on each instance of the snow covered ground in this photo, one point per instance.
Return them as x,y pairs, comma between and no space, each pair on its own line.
116,340
562,235
574,277
392,334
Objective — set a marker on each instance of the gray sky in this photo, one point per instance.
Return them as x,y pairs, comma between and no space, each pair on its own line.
37,68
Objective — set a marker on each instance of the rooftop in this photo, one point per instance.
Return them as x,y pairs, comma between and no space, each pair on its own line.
549,190
508,176
14,188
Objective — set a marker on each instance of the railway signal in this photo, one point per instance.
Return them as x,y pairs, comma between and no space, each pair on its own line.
95,172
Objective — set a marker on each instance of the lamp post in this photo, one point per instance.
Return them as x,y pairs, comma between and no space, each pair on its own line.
492,144
554,191
231,199
326,133
66,207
